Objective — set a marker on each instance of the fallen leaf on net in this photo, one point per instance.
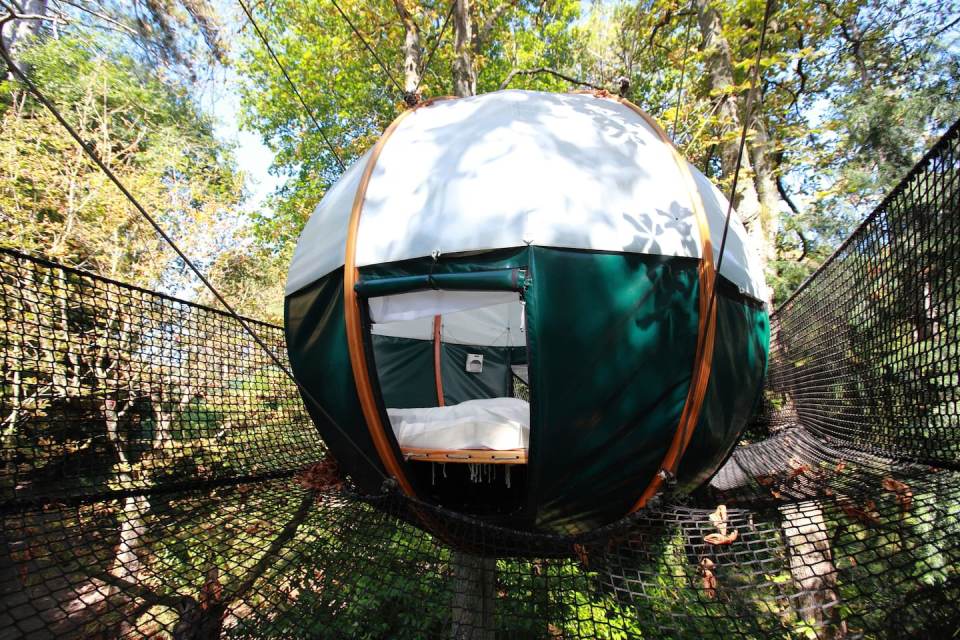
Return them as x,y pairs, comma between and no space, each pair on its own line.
765,480
902,492
582,554
905,500
212,590
709,578
889,484
720,539
800,470
865,515
719,518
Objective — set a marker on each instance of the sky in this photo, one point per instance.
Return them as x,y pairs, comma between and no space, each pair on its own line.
253,157
222,100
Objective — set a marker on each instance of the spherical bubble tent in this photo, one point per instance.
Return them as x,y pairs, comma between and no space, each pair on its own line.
511,306
835,516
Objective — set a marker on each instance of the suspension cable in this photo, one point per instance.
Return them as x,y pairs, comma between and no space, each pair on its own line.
743,141
747,117
436,45
366,44
95,157
683,71
293,87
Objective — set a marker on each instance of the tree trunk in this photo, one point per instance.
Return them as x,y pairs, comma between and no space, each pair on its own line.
719,64
162,420
764,234
807,542
474,578
411,48
464,75
126,563
811,565
17,33
474,592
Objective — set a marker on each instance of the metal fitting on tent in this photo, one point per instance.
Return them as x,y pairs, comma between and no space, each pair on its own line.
668,477
435,254
389,485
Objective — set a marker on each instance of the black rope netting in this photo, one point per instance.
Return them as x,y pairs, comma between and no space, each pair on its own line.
160,478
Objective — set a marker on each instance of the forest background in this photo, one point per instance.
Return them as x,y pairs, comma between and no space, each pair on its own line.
851,94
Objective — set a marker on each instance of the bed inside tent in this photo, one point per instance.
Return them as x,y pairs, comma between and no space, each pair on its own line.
451,368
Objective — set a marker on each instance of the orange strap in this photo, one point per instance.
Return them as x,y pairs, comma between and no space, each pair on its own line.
706,326
437,374
358,360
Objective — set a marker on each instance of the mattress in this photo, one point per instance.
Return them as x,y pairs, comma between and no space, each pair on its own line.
494,423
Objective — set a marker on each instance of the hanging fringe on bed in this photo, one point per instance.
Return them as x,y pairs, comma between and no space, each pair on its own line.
480,473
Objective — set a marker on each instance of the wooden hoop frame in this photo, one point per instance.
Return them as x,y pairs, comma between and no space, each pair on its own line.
703,357
706,326
354,324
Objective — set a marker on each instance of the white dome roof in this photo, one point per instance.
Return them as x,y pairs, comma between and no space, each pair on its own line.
511,168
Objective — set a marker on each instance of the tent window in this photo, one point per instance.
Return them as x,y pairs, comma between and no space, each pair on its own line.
482,430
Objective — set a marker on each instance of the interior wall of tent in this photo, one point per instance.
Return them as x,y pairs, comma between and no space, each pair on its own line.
477,348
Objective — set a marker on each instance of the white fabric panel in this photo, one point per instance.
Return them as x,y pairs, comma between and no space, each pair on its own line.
494,423
492,326
519,167
420,304
419,329
498,326
511,168
323,242
740,262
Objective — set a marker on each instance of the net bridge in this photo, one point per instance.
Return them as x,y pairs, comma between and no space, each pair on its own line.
161,478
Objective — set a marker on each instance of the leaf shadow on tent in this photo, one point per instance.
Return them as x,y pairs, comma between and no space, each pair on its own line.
469,150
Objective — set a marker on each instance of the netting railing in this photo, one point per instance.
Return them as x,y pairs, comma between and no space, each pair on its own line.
160,478
866,351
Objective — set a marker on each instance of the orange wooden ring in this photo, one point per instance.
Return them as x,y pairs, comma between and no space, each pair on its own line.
354,326
706,326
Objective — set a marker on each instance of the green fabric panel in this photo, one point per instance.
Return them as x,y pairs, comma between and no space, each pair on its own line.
405,371
513,258
499,280
736,382
317,346
611,339
460,385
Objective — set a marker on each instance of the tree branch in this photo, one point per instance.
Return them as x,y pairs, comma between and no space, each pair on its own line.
102,16
136,590
491,21
803,243
529,72
286,534
16,15
786,196
793,207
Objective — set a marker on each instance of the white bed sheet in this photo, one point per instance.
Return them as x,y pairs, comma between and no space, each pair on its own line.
494,423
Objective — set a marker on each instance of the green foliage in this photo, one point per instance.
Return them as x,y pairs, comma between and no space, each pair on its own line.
56,202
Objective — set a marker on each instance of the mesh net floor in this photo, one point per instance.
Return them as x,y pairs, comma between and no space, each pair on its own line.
160,478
